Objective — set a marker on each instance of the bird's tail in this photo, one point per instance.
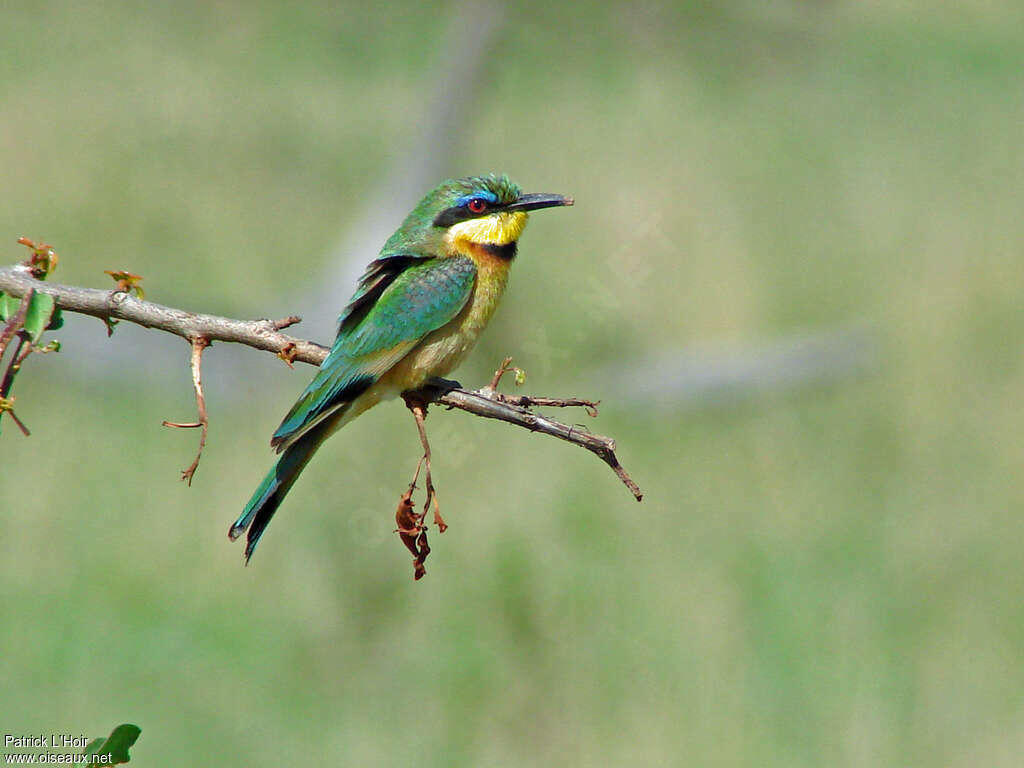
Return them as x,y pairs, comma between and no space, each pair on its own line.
271,492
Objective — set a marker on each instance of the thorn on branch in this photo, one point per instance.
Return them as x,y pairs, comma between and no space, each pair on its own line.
199,343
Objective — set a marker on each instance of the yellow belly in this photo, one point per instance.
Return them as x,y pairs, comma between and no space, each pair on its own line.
442,350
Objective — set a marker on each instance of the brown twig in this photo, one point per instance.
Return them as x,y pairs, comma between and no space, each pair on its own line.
16,321
528,401
198,345
505,367
14,365
262,334
14,324
482,402
23,350
19,357
286,322
24,430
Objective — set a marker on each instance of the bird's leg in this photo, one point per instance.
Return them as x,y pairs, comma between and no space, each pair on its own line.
410,528
419,412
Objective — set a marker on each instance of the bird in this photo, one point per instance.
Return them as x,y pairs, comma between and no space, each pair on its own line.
416,313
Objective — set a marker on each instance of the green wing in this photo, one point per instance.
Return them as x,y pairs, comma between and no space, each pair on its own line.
421,298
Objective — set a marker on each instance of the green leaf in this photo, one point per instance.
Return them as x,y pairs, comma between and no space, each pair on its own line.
41,315
40,309
114,748
8,306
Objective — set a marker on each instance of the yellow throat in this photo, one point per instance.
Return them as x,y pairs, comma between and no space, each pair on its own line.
497,229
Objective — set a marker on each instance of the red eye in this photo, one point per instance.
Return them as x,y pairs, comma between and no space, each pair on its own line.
477,205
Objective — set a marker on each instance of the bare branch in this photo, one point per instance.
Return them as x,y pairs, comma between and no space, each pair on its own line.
24,430
263,334
117,305
481,402
285,322
529,401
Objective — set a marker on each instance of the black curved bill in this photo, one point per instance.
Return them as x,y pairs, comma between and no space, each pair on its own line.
537,200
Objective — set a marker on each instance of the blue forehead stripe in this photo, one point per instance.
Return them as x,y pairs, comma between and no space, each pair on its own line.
486,194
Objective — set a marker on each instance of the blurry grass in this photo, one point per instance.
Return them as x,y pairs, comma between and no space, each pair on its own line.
822,578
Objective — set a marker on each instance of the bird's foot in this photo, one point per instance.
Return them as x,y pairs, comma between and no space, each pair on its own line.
436,386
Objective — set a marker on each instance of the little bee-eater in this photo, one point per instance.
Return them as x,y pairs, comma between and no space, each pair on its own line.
417,311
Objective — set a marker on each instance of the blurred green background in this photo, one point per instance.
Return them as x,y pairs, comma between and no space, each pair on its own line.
827,574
